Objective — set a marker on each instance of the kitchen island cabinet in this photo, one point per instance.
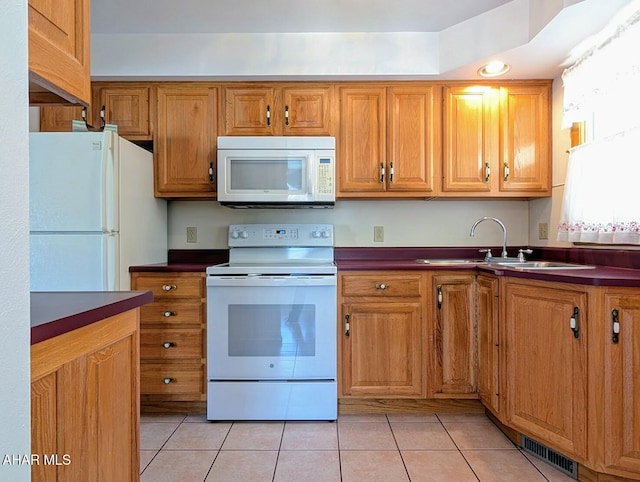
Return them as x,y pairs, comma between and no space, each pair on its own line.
85,386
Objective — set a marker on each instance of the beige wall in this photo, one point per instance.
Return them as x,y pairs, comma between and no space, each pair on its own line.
406,223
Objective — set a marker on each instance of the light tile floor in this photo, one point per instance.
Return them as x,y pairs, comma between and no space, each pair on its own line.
389,448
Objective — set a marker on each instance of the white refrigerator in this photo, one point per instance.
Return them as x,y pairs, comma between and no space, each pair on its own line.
92,212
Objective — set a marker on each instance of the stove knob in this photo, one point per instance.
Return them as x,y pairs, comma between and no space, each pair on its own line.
316,234
325,234
235,234
244,235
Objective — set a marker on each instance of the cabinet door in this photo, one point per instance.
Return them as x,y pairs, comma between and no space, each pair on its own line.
622,384
488,342
127,107
525,140
57,118
454,336
185,151
381,352
59,48
362,146
412,131
250,111
307,111
469,139
546,377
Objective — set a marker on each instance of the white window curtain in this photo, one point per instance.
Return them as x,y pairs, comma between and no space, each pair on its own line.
602,190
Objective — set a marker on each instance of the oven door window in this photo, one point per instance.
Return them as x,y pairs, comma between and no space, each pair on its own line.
272,330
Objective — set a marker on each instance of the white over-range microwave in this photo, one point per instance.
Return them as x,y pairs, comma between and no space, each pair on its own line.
276,171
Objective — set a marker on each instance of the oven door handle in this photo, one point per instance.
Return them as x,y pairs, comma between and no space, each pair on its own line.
268,281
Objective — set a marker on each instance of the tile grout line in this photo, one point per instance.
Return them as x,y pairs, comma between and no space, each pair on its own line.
457,447
406,469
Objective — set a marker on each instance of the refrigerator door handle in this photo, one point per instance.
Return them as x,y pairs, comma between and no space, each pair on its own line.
110,185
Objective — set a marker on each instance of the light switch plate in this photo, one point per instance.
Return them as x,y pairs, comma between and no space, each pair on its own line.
543,230
378,234
192,234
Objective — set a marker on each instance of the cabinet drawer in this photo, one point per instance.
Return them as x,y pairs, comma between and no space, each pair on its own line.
172,312
382,285
170,286
167,344
169,378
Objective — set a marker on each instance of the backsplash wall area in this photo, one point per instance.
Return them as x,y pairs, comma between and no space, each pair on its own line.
406,223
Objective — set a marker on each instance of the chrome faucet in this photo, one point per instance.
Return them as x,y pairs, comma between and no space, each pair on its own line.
504,232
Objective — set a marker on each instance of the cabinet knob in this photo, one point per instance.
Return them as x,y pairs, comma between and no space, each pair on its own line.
168,287
168,344
168,314
168,380
381,286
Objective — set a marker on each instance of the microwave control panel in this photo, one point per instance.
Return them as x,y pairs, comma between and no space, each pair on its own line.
325,175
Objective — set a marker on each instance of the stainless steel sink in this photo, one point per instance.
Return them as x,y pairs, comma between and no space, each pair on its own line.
441,262
542,265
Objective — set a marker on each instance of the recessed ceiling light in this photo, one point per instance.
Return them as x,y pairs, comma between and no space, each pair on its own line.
494,69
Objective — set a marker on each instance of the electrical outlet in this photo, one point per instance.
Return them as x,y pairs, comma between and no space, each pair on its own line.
543,230
192,234
378,234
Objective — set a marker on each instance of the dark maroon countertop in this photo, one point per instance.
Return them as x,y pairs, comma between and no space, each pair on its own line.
614,267
55,313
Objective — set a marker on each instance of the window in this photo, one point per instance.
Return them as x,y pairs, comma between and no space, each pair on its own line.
601,201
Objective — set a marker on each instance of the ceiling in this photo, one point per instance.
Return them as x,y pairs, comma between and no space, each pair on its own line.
271,16
465,33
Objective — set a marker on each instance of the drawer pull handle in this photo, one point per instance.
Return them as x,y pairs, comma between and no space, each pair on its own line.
168,380
168,314
168,287
168,344
381,286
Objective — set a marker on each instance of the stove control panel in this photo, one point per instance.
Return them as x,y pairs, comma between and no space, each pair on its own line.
252,235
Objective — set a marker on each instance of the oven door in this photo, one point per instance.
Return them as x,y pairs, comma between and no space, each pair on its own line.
271,327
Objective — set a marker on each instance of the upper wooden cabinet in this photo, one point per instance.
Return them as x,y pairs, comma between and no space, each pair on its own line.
496,140
59,48
58,118
387,144
126,105
185,141
277,109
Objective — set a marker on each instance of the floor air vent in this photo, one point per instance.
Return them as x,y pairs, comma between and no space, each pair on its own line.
544,453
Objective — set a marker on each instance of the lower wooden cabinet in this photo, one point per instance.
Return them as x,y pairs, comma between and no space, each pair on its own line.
380,335
172,337
619,383
454,335
85,403
546,363
487,312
